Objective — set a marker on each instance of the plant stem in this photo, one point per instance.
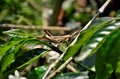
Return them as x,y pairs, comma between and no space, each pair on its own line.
56,11
33,27
85,67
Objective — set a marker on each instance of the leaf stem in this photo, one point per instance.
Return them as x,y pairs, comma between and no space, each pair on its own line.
52,47
85,67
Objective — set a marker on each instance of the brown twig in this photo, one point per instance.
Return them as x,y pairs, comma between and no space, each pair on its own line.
54,39
52,66
56,28
58,39
72,68
60,68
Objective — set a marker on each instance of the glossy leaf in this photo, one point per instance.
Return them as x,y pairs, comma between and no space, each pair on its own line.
7,53
101,30
107,55
11,48
17,33
27,58
81,75
83,38
7,46
9,57
97,37
118,13
6,61
37,73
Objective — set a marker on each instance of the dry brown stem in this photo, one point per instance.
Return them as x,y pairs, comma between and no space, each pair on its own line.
32,27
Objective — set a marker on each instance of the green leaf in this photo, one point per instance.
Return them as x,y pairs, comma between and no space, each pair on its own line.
107,55
104,28
3,14
97,37
10,49
17,33
9,57
37,73
118,13
27,58
7,46
81,75
118,69
83,37
6,61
